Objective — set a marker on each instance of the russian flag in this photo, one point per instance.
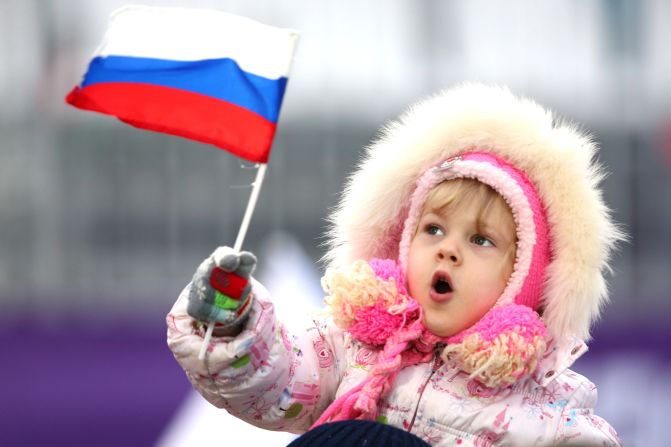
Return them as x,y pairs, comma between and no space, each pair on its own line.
205,75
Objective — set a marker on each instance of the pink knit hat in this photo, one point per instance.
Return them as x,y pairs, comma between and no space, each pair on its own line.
533,246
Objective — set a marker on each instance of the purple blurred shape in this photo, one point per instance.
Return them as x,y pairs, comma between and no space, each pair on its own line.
102,384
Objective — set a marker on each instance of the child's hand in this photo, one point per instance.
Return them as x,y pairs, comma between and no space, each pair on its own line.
220,290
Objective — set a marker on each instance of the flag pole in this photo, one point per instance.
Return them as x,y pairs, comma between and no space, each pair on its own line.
251,204
242,232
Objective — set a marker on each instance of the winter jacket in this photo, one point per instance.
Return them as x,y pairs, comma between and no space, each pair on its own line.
283,381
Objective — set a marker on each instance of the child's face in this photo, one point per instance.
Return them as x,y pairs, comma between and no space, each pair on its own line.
459,263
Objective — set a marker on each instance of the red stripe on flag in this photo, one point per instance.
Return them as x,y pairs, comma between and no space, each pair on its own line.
182,113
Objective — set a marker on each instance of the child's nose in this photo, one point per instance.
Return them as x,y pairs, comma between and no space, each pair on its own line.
449,252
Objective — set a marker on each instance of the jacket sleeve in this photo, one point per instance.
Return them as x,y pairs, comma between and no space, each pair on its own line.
578,425
265,376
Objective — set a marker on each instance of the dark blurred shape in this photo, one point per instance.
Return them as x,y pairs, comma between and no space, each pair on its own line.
357,434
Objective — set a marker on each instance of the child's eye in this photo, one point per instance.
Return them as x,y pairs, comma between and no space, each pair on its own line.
433,230
482,241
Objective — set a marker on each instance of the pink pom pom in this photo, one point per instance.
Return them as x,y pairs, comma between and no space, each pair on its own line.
374,324
501,348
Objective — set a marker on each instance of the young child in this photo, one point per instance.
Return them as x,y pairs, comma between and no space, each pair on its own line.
466,267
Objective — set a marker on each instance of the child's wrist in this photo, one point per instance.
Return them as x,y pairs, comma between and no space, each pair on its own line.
234,324
228,330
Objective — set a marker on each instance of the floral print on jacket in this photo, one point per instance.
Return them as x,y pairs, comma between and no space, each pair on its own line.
282,381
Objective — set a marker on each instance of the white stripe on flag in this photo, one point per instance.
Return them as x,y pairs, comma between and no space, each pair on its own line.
197,34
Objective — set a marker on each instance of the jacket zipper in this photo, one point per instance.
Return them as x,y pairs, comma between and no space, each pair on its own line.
434,368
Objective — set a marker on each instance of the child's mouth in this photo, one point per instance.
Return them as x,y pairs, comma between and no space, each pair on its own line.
441,286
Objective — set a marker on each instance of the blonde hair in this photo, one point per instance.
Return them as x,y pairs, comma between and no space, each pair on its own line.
450,195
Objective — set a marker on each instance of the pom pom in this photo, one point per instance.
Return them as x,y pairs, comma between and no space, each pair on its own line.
369,300
502,348
374,324
349,291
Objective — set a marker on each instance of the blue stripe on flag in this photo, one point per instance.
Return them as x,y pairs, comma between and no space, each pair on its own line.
219,78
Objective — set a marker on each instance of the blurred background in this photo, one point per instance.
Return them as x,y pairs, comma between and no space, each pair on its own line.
102,225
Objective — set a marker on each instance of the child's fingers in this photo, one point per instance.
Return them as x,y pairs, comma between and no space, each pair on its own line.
247,262
226,258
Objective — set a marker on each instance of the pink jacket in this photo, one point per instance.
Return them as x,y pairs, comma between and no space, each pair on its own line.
281,381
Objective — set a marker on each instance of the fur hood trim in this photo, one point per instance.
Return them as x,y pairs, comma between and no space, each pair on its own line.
556,156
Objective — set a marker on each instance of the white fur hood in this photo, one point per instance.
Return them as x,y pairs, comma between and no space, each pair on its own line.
557,157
